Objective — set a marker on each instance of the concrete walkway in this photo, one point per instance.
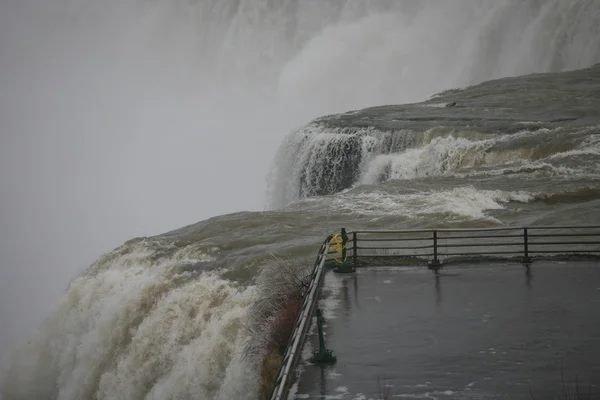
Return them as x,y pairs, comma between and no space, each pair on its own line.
473,332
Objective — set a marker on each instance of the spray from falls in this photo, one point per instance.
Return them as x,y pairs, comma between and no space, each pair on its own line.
205,86
144,321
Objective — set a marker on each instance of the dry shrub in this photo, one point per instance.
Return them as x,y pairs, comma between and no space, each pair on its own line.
282,285
284,321
270,366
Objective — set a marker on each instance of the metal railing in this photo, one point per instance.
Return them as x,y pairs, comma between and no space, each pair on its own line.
434,246
294,348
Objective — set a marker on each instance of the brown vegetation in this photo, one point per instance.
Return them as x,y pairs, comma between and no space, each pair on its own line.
270,367
282,286
285,321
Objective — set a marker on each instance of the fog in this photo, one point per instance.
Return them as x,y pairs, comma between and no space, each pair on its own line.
103,139
113,125
130,118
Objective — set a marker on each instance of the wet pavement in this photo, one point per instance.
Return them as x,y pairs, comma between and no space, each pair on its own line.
498,331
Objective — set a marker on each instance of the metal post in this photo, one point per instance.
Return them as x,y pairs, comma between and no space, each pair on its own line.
354,249
435,258
344,242
323,355
526,259
320,322
435,263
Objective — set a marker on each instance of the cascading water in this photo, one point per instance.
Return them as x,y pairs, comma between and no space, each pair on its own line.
163,317
374,145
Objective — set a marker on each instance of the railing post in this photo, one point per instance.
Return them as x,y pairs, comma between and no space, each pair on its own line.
354,249
526,259
323,355
435,263
435,255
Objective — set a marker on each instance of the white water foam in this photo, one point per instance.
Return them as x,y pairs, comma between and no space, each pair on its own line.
132,327
448,155
443,155
317,158
591,150
526,169
465,203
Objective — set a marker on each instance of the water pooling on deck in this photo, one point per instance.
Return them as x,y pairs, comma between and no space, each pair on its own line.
474,331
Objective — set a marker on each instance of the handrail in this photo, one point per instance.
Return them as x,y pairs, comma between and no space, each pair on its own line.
292,354
396,248
294,347
507,228
524,240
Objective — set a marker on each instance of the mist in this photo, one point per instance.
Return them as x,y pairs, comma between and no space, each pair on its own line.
130,118
103,140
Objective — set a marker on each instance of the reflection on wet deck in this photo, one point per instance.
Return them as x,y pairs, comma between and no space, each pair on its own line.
483,331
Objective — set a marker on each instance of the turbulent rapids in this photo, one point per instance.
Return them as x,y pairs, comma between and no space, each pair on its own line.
166,317
494,128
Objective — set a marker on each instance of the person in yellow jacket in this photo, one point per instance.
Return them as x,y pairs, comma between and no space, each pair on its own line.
338,244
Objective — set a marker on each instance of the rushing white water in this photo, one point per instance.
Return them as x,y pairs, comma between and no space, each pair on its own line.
462,203
321,160
138,325
133,108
